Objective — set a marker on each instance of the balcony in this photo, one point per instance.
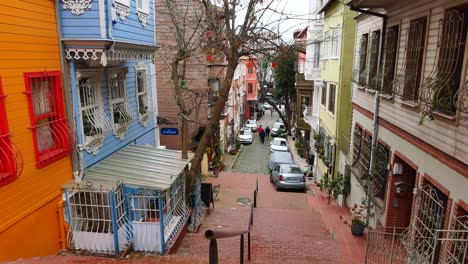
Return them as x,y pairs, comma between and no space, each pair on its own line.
311,117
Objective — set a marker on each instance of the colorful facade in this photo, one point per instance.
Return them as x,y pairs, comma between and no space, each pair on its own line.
410,146
35,140
111,75
332,140
251,86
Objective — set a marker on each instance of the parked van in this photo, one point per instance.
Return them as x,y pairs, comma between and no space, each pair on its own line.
278,157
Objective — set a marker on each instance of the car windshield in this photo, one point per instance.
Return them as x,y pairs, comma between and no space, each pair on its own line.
278,125
251,122
245,132
279,142
291,169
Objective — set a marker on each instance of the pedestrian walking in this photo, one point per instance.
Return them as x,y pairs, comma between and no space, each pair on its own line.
271,111
267,132
262,136
260,129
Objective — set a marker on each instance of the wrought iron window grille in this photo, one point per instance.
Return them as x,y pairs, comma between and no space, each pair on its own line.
406,83
363,70
95,123
118,102
11,160
374,61
387,74
53,137
378,180
360,167
461,99
440,89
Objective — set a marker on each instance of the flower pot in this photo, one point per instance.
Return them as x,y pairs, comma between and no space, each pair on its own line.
357,229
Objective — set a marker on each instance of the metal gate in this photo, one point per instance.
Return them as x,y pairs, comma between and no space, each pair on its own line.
424,240
421,240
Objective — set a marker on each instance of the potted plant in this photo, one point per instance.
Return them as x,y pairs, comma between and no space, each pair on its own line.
358,220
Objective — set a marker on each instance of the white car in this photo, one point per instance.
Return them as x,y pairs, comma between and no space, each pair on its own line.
279,144
245,136
267,106
252,124
277,126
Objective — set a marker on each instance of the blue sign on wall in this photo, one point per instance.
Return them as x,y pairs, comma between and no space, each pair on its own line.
171,131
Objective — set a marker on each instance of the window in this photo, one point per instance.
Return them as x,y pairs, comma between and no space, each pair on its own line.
249,88
94,122
142,94
335,42
362,147
143,10
214,91
305,103
316,55
414,58
378,181
331,99
374,60
118,102
9,169
391,46
363,60
326,43
250,69
451,59
47,113
324,95
357,140
143,6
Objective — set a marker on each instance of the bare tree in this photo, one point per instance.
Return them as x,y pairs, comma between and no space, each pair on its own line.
252,33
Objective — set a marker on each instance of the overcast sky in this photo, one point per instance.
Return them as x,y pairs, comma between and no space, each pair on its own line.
299,9
289,16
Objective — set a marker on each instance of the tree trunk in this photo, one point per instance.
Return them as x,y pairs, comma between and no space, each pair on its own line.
184,135
215,117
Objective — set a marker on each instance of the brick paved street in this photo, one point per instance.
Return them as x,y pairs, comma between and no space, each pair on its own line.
289,226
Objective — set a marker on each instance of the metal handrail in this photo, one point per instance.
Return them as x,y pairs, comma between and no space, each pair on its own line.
213,235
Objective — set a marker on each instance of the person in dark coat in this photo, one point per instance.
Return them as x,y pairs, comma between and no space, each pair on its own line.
262,136
267,132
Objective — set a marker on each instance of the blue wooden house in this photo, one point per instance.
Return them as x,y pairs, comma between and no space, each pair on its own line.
127,184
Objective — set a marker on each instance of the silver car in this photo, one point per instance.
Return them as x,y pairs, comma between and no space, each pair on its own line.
288,176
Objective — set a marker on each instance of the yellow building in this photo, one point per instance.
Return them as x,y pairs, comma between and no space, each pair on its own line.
34,136
332,141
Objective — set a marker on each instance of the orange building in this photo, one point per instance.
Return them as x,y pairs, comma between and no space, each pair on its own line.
34,137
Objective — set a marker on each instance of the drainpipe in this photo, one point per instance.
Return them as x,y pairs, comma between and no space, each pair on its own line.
76,156
377,97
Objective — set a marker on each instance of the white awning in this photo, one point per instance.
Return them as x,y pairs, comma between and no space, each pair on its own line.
138,166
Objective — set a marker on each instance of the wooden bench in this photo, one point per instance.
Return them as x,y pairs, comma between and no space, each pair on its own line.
215,191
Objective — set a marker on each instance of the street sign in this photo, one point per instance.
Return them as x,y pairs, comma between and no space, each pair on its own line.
171,131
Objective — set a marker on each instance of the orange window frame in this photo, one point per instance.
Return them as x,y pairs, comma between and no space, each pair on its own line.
56,128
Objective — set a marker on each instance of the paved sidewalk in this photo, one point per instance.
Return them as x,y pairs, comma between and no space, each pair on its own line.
337,218
285,230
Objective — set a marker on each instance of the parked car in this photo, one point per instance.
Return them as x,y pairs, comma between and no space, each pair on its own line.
245,136
279,157
252,124
276,129
288,176
278,144
267,106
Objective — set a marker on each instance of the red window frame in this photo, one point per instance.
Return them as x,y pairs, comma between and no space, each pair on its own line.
49,127
250,88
